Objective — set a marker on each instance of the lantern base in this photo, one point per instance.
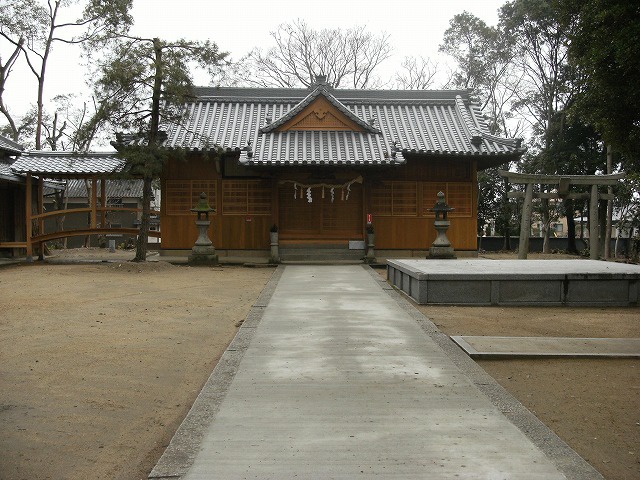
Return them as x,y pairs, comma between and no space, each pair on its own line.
441,252
203,258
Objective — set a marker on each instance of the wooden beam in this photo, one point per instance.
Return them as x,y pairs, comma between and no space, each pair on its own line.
527,178
525,225
13,244
553,195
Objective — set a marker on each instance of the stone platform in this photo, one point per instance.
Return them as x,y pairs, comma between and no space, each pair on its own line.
517,282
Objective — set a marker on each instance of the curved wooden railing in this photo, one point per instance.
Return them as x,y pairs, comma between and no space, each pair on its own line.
45,237
96,228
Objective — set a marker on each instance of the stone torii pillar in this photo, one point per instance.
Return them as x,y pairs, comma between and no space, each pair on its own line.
563,183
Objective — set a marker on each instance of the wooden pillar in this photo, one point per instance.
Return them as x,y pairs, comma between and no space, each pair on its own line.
594,244
609,222
28,227
94,202
40,210
525,224
103,201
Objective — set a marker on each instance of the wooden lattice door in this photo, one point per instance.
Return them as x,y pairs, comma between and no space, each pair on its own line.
323,218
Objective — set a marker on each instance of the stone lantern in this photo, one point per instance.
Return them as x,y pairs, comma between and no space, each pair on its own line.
441,247
203,252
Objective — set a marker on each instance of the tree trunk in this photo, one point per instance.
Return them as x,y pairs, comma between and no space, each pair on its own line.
154,125
143,234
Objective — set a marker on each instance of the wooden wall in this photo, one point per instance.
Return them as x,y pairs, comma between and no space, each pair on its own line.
413,188
231,228
399,198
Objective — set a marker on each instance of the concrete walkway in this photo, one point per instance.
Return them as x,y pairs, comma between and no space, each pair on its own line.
337,376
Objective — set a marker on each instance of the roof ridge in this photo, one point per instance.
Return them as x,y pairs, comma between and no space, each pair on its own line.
68,153
10,145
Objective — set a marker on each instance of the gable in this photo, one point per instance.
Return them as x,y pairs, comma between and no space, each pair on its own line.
321,114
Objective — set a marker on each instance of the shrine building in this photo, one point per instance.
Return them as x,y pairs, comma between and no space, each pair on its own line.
321,163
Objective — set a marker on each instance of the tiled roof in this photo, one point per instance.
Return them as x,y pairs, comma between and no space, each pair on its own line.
419,122
9,146
114,188
320,148
7,174
61,164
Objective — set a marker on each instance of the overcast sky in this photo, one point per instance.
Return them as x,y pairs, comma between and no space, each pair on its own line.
416,28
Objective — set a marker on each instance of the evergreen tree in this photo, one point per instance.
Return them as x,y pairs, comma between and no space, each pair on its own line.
142,86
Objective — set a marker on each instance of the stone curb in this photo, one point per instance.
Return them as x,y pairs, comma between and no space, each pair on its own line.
185,444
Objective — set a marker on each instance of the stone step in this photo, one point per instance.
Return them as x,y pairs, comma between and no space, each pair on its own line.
319,254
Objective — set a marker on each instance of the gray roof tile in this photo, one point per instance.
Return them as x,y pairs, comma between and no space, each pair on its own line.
7,174
420,121
114,188
10,146
54,164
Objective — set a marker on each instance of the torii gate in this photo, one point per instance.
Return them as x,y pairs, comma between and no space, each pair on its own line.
563,182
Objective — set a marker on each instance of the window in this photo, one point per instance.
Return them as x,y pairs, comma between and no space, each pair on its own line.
246,197
458,195
395,198
182,195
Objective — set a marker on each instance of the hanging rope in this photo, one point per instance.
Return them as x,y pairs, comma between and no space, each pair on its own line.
342,186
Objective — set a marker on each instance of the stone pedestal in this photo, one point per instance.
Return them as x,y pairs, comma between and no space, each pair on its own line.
441,247
274,256
203,252
370,257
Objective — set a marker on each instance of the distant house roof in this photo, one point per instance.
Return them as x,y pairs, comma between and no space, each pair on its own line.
67,164
9,146
391,124
77,188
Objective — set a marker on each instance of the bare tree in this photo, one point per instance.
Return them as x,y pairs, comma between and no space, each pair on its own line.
33,26
5,70
416,74
347,58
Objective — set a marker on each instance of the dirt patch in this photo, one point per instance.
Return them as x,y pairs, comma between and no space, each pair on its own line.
100,363
592,404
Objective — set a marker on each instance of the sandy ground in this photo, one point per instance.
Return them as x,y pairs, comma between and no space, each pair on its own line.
99,364
592,404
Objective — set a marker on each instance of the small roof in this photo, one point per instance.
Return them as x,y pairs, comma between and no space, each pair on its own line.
68,164
7,174
115,188
321,148
10,146
394,122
